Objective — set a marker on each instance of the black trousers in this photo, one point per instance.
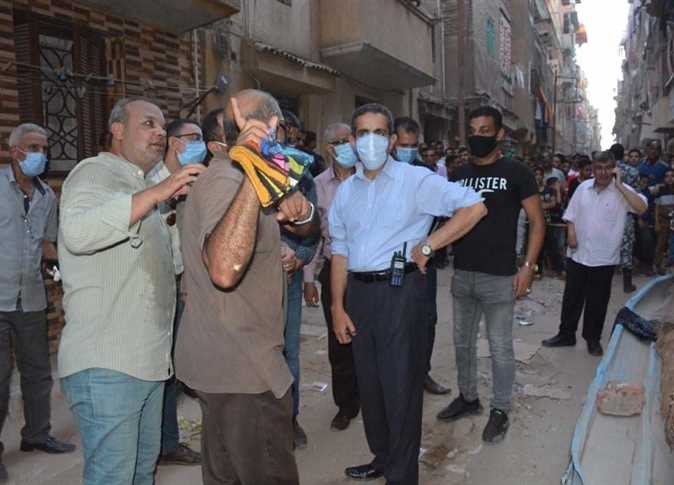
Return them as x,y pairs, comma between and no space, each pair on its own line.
589,289
552,249
344,382
247,439
389,350
645,242
29,332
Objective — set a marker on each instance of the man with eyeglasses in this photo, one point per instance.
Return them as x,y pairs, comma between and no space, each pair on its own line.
28,212
184,146
379,224
342,160
596,218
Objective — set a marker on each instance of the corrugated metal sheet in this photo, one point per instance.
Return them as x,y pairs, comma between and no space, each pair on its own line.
618,450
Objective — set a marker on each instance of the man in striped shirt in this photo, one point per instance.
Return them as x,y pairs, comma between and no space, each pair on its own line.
119,296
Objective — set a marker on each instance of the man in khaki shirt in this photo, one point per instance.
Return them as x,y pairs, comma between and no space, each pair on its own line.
230,340
119,297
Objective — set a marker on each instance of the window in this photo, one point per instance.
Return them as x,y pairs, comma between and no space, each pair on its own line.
490,29
56,63
505,47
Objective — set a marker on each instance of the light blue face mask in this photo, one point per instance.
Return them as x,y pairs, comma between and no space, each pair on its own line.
372,150
406,155
345,155
194,152
34,164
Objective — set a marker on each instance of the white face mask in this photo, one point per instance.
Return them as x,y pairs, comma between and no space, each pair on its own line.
372,150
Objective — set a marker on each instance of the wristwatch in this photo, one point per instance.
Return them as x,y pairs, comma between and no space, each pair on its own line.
426,249
533,267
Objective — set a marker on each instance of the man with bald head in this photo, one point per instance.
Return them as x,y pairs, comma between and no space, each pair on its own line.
230,341
119,296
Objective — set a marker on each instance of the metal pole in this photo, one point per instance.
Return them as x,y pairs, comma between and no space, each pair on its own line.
461,61
575,118
554,115
195,62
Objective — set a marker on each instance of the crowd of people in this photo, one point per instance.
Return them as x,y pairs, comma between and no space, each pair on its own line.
649,171
186,251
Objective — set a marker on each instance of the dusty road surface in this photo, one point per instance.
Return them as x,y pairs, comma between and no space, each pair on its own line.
550,390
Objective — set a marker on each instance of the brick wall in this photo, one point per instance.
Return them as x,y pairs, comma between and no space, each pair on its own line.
151,63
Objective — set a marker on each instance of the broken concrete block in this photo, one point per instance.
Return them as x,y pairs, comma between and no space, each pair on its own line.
621,399
434,457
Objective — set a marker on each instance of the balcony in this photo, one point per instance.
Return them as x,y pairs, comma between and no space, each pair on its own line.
387,44
175,16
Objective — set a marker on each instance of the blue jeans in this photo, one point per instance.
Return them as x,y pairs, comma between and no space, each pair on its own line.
119,418
476,294
292,335
671,248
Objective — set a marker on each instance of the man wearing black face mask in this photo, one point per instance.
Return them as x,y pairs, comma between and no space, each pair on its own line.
486,279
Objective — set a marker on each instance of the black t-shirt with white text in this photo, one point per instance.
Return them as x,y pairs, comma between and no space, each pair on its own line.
490,246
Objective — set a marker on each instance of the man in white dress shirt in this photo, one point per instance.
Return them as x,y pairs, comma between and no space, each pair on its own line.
596,218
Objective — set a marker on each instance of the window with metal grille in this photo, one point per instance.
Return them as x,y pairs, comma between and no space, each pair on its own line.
59,66
505,47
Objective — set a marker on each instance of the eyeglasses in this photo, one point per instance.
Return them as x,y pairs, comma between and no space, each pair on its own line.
339,142
192,136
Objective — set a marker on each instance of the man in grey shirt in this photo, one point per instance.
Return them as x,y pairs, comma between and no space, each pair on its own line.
119,296
28,217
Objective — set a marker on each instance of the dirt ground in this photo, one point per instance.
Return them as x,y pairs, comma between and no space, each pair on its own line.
550,389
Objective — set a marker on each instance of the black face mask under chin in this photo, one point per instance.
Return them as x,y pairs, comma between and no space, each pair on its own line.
481,146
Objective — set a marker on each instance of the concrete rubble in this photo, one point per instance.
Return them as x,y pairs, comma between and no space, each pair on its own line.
621,399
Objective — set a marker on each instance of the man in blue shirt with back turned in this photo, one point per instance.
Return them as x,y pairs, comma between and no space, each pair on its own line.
386,208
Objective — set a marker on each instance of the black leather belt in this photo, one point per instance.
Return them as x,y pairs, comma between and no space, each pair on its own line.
374,276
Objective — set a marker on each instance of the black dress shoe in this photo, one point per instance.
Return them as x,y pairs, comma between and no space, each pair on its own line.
594,348
559,341
51,445
340,422
432,387
363,472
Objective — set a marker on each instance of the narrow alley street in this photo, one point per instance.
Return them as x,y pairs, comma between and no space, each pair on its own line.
551,386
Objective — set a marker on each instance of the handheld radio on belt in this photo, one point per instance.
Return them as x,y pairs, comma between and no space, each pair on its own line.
398,267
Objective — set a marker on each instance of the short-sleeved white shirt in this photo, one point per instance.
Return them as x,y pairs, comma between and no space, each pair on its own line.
599,217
